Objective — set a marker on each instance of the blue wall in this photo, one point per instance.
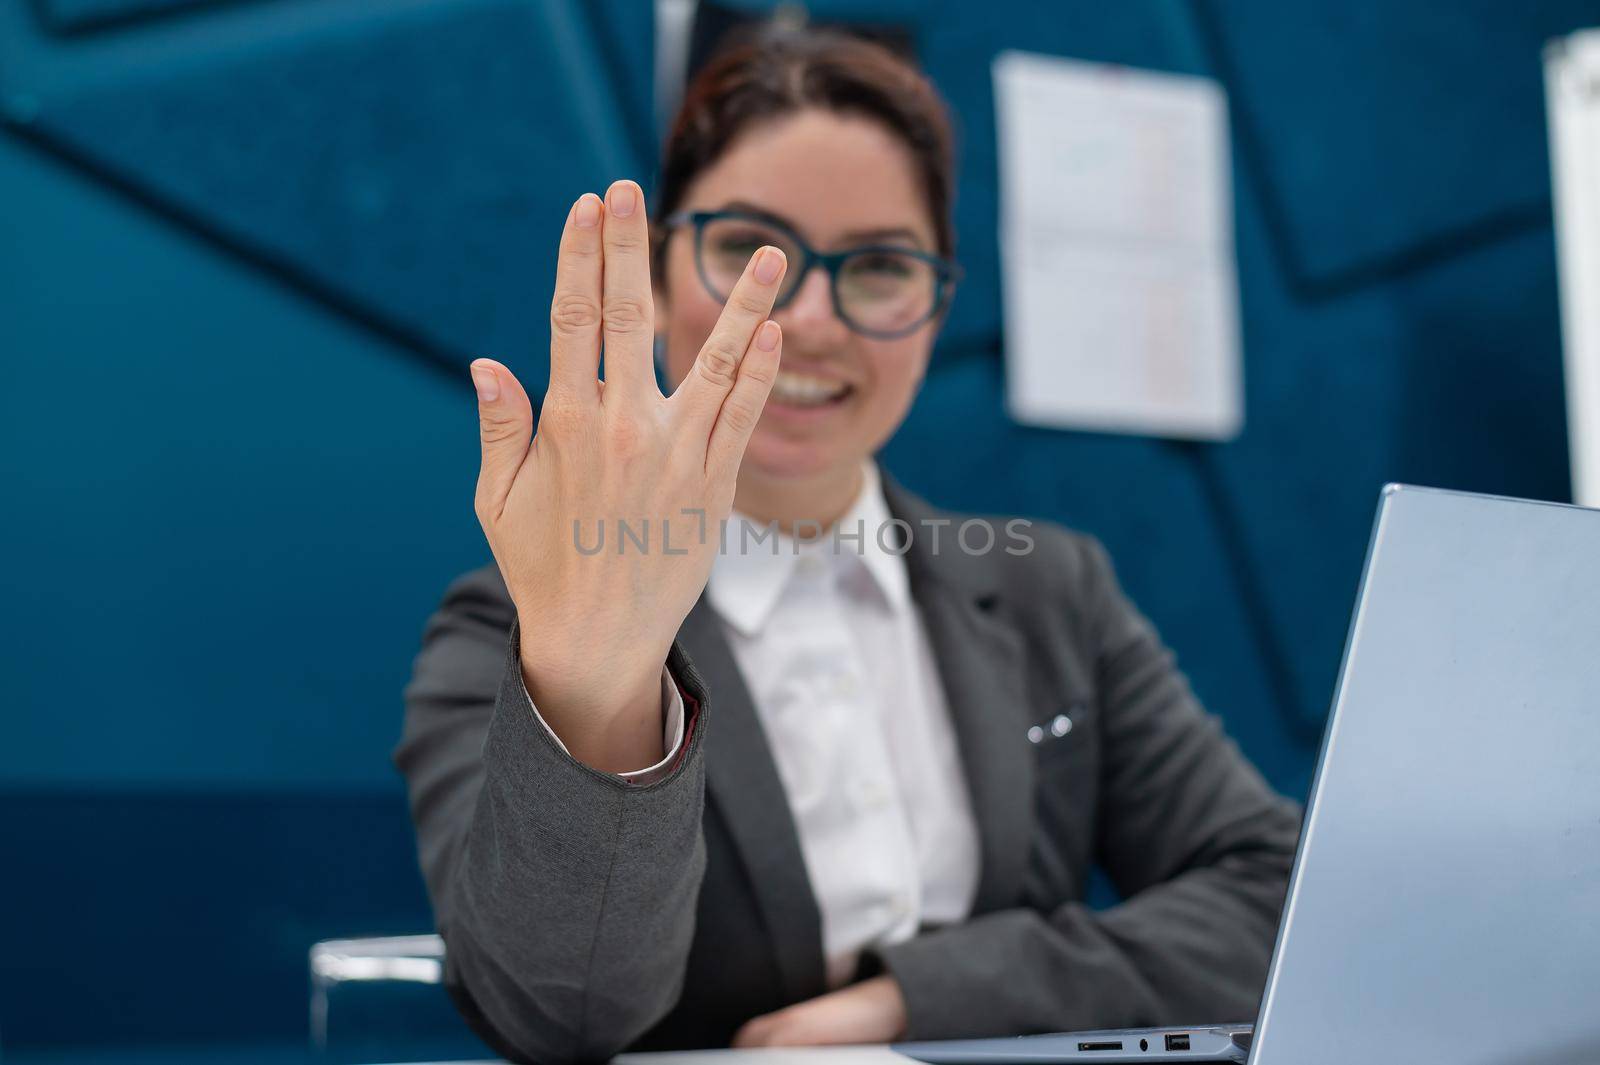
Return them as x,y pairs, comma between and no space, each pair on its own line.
246,250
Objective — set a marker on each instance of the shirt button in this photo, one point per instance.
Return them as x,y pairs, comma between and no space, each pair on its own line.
872,793
846,684
899,907
810,564
1061,725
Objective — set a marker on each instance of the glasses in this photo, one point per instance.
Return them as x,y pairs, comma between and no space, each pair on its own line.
879,290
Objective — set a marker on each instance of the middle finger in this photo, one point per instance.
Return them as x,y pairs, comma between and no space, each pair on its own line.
627,311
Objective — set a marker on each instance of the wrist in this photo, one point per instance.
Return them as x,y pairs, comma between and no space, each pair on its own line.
893,1006
608,723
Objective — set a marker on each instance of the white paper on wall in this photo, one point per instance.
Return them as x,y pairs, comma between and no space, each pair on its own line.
1121,291
1572,91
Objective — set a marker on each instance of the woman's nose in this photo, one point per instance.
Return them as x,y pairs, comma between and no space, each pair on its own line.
811,309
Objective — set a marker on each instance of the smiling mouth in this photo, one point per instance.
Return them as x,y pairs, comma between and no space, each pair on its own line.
802,390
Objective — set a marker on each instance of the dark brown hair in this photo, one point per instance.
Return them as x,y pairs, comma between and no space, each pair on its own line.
786,69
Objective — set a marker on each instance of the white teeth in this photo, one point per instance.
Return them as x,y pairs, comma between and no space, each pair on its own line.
803,390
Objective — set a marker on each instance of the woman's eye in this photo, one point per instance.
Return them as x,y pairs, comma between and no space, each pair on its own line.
882,265
739,244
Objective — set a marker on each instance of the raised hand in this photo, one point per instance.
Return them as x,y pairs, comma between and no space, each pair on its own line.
615,463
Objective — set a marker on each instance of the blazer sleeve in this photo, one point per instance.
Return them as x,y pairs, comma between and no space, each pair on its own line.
1197,843
565,896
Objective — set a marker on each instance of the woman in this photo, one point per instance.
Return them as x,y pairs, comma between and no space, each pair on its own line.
681,783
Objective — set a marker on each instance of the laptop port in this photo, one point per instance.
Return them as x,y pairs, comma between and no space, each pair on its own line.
1178,1042
1099,1046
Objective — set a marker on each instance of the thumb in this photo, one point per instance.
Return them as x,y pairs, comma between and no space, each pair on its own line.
505,428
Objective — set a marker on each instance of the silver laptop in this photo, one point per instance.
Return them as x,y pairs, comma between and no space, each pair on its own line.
1445,900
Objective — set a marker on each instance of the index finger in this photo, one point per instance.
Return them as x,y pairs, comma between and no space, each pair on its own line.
717,366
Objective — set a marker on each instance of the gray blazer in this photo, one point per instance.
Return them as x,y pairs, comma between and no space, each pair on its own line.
583,916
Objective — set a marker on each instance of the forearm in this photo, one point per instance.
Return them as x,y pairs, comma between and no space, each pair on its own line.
1203,941
1193,949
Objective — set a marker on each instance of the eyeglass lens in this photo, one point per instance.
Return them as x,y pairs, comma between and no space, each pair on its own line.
878,290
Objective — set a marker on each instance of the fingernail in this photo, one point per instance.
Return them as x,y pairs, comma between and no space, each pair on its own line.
769,264
587,214
486,382
623,199
768,335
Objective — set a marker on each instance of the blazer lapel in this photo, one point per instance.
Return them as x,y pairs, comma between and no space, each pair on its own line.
744,786
980,660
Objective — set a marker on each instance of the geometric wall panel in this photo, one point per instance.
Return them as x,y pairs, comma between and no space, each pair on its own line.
1389,132
88,16
417,164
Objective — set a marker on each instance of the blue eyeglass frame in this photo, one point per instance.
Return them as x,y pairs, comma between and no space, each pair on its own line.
945,272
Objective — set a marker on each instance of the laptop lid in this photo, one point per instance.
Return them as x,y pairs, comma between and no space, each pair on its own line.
1445,903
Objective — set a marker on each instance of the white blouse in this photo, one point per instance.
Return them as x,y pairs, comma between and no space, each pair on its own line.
834,653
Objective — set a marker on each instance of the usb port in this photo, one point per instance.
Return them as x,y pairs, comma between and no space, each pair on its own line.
1099,1046
1178,1042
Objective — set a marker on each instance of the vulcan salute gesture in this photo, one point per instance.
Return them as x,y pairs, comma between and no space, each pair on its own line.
597,625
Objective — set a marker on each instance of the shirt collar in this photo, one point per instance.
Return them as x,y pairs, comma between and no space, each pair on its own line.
881,548
748,576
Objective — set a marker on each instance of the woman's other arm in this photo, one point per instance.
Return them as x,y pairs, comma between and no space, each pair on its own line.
1195,840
